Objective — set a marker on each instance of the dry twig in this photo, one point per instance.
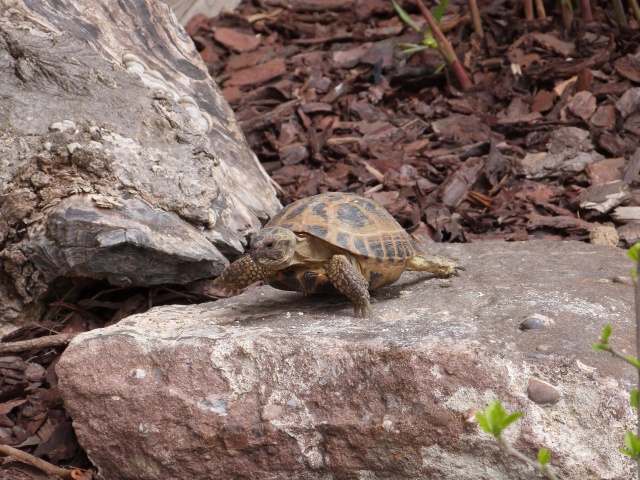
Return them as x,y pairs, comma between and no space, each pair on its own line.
36,462
37,343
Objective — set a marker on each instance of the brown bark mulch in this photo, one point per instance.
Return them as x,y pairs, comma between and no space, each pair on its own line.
328,103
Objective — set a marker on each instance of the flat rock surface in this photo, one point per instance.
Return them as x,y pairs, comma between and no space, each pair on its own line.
272,385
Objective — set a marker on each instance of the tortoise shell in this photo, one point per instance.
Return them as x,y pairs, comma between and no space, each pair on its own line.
354,224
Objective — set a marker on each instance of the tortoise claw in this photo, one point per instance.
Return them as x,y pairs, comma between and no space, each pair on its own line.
361,309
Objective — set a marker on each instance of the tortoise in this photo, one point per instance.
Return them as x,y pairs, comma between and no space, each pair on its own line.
329,242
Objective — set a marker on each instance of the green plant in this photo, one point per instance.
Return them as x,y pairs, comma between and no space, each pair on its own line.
428,42
445,48
434,38
636,9
567,13
495,419
585,7
621,16
630,439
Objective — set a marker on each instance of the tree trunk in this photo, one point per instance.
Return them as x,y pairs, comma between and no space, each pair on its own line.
119,157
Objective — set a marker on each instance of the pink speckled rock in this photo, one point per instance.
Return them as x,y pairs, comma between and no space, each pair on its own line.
270,385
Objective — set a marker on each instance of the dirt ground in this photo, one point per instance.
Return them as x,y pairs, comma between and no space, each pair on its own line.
544,144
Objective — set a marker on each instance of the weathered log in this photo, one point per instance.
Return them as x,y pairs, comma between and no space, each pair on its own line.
120,159
185,9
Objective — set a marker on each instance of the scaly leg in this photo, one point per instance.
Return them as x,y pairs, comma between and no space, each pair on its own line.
350,282
240,274
433,264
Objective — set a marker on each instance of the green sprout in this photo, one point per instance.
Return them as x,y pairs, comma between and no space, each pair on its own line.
543,456
494,419
428,41
632,253
604,345
632,443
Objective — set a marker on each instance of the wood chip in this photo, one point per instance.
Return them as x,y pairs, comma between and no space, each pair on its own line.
257,74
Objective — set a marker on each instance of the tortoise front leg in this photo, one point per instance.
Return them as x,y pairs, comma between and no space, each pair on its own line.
349,282
240,274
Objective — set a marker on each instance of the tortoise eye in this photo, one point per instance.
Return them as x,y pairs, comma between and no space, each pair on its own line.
269,244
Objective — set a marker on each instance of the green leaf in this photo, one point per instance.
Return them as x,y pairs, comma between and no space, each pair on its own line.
598,346
482,421
632,443
635,397
495,415
439,69
411,47
544,456
511,418
495,419
429,41
437,14
404,16
606,333
632,253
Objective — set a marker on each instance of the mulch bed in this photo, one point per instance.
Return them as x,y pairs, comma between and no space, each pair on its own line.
328,103
543,146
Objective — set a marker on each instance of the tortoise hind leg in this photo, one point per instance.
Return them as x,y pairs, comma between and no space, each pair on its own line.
349,281
433,264
240,274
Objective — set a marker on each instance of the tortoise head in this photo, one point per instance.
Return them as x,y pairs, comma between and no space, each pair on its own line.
273,247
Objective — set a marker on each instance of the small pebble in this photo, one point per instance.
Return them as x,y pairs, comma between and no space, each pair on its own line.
535,321
65,126
469,415
624,280
271,450
542,393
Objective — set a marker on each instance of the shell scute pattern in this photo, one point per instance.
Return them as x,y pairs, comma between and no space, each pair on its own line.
361,247
320,210
353,216
342,240
355,224
296,212
319,231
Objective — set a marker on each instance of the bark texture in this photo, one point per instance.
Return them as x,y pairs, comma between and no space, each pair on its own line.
120,159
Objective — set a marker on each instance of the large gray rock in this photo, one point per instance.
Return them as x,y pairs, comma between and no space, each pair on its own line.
271,385
120,159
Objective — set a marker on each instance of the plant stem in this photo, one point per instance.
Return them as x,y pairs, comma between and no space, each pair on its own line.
637,298
622,356
567,13
544,469
621,17
585,6
528,9
445,48
540,9
636,9
475,18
